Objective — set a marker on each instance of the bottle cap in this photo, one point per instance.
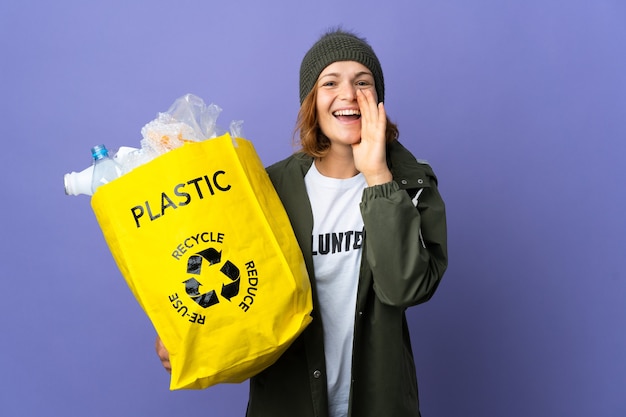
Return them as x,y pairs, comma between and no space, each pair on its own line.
99,152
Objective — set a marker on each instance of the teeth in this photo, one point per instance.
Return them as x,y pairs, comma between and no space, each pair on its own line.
347,112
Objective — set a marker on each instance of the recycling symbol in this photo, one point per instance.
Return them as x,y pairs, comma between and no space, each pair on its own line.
194,267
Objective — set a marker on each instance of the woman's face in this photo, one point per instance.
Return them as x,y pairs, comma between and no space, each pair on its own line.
338,113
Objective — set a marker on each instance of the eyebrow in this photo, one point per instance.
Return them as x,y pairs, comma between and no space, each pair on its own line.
336,74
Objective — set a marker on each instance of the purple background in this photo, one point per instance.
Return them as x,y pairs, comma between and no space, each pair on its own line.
520,107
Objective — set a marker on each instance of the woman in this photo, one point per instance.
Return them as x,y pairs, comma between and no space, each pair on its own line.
371,225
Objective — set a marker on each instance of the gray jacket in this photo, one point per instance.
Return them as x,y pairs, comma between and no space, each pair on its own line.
404,258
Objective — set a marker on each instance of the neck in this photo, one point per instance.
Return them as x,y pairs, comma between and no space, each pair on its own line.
338,165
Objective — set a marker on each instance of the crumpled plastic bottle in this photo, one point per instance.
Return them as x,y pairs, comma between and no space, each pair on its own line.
85,182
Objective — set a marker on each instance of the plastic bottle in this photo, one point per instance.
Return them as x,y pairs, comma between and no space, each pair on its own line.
77,183
105,169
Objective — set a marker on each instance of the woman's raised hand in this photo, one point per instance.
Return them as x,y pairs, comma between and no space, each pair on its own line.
370,154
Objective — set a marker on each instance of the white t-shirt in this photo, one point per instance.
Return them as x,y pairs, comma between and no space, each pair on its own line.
337,241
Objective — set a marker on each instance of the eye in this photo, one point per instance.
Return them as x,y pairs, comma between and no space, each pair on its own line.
363,83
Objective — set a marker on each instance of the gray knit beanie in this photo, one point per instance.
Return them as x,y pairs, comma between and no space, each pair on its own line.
334,46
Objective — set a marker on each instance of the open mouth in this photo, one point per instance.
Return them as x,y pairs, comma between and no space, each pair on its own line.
347,114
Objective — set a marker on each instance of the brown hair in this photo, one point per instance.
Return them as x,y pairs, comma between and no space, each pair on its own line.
312,141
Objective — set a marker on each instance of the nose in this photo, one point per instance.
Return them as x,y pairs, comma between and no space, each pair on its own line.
347,91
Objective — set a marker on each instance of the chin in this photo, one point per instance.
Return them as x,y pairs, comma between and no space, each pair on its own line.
349,139
345,142
345,138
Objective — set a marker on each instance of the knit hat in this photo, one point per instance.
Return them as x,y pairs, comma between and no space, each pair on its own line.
336,46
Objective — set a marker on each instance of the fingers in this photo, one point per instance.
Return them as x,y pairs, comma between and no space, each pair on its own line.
367,105
373,116
366,99
163,354
370,153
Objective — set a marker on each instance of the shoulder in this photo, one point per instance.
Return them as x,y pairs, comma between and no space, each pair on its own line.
292,166
405,167
293,163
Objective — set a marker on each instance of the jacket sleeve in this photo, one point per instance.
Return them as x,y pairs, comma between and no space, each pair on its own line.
406,241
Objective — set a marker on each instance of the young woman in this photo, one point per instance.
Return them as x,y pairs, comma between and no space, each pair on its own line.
371,225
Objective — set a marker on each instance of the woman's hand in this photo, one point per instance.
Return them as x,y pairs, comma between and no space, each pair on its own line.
163,354
370,154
